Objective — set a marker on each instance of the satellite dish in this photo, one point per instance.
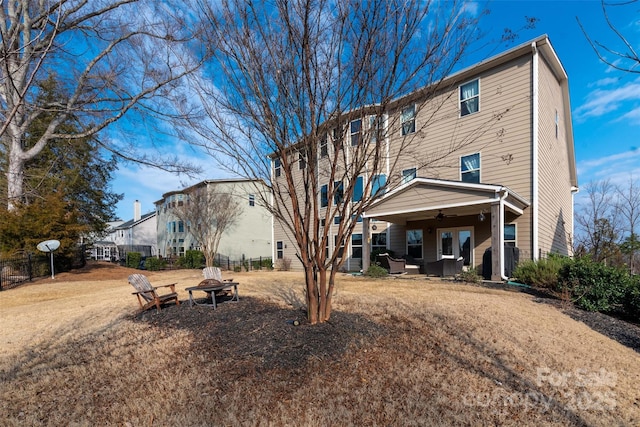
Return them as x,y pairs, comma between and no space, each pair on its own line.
48,245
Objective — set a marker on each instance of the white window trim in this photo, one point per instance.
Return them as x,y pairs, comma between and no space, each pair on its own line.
479,165
414,119
461,100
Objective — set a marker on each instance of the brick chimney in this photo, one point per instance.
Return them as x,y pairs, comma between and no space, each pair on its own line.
136,210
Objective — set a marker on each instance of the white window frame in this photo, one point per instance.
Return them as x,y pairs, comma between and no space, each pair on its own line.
409,175
405,119
479,168
463,100
515,235
354,246
358,132
279,249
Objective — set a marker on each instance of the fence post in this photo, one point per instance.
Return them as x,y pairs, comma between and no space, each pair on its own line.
260,268
29,266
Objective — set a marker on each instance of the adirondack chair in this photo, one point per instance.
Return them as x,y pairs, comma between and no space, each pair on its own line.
215,274
147,295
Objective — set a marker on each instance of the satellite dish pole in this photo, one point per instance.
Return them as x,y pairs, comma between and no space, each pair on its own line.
49,246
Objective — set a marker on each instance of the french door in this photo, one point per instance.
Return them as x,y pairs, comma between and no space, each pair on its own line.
455,242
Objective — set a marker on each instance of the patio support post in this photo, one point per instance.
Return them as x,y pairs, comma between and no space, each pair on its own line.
496,249
366,245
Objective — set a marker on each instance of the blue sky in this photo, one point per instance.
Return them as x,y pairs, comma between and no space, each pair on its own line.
605,103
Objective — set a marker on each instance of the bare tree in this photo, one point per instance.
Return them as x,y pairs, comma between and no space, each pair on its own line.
110,56
294,79
628,208
208,213
621,55
597,219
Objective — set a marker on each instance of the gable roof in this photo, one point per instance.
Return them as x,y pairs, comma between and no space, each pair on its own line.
132,223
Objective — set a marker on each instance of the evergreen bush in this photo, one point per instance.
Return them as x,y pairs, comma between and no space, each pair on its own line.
155,263
133,259
376,271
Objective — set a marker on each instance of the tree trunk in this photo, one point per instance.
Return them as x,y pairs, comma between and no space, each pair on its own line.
312,295
15,177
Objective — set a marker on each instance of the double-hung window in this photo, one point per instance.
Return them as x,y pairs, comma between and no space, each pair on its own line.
379,242
277,166
375,128
414,243
252,200
302,161
279,249
356,132
358,189
377,184
470,168
324,196
356,245
509,234
338,195
408,175
408,120
324,149
470,98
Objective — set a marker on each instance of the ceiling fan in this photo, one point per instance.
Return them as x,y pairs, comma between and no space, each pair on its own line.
442,216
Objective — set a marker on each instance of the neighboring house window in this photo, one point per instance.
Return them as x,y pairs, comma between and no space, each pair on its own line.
408,120
356,245
357,218
378,183
180,200
358,189
302,162
356,131
279,249
510,234
469,98
252,200
181,253
169,227
408,175
180,227
337,138
378,241
339,247
337,219
470,168
173,226
322,222
277,165
338,196
375,128
414,243
188,226
324,196
324,149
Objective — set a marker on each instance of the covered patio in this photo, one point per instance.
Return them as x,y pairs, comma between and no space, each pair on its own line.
443,219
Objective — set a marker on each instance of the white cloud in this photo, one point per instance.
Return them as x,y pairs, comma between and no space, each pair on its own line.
602,101
605,82
617,168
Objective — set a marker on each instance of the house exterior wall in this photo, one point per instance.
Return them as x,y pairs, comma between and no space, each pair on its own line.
250,236
555,201
502,133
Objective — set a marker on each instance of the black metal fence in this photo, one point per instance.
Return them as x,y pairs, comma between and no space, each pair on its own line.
243,264
17,270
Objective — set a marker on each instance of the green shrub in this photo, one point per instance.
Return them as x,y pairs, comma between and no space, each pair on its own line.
542,273
469,276
237,268
594,286
154,263
133,259
191,259
631,300
376,271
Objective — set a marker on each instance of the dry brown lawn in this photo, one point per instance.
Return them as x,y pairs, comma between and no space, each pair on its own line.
76,351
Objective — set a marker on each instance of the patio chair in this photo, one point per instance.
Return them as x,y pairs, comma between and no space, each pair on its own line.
392,265
213,275
147,295
444,267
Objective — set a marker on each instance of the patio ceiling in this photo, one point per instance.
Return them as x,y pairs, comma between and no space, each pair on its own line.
425,198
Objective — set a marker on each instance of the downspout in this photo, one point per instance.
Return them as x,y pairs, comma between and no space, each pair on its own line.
503,196
574,191
535,154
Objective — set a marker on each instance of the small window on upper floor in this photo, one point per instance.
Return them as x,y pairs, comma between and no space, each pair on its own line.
470,168
356,132
277,167
324,196
336,137
302,161
470,98
375,129
252,200
324,149
408,120
408,175
338,195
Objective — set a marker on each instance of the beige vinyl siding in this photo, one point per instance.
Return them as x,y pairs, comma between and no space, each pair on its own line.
554,221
